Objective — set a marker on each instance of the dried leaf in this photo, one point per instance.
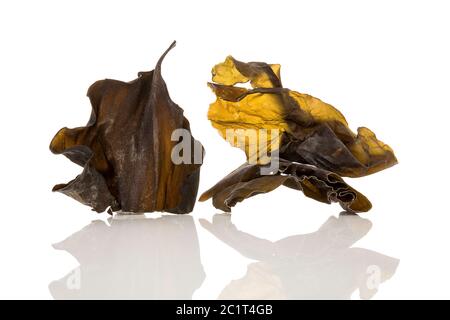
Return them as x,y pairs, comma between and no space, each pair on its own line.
313,134
316,183
126,147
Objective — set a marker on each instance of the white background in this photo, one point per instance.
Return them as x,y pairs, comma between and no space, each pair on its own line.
384,64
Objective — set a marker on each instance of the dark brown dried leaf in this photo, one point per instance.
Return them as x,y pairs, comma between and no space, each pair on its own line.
126,147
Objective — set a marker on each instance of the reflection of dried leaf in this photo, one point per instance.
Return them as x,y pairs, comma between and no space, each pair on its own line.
126,147
313,133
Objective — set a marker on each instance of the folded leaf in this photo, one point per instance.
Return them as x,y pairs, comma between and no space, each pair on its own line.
318,184
311,132
126,147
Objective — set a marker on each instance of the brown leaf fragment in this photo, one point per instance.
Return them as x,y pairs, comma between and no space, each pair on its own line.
126,148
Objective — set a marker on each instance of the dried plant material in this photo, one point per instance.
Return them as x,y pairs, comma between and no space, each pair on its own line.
132,257
125,149
314,137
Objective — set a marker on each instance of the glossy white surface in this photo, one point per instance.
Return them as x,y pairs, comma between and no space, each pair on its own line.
385,65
